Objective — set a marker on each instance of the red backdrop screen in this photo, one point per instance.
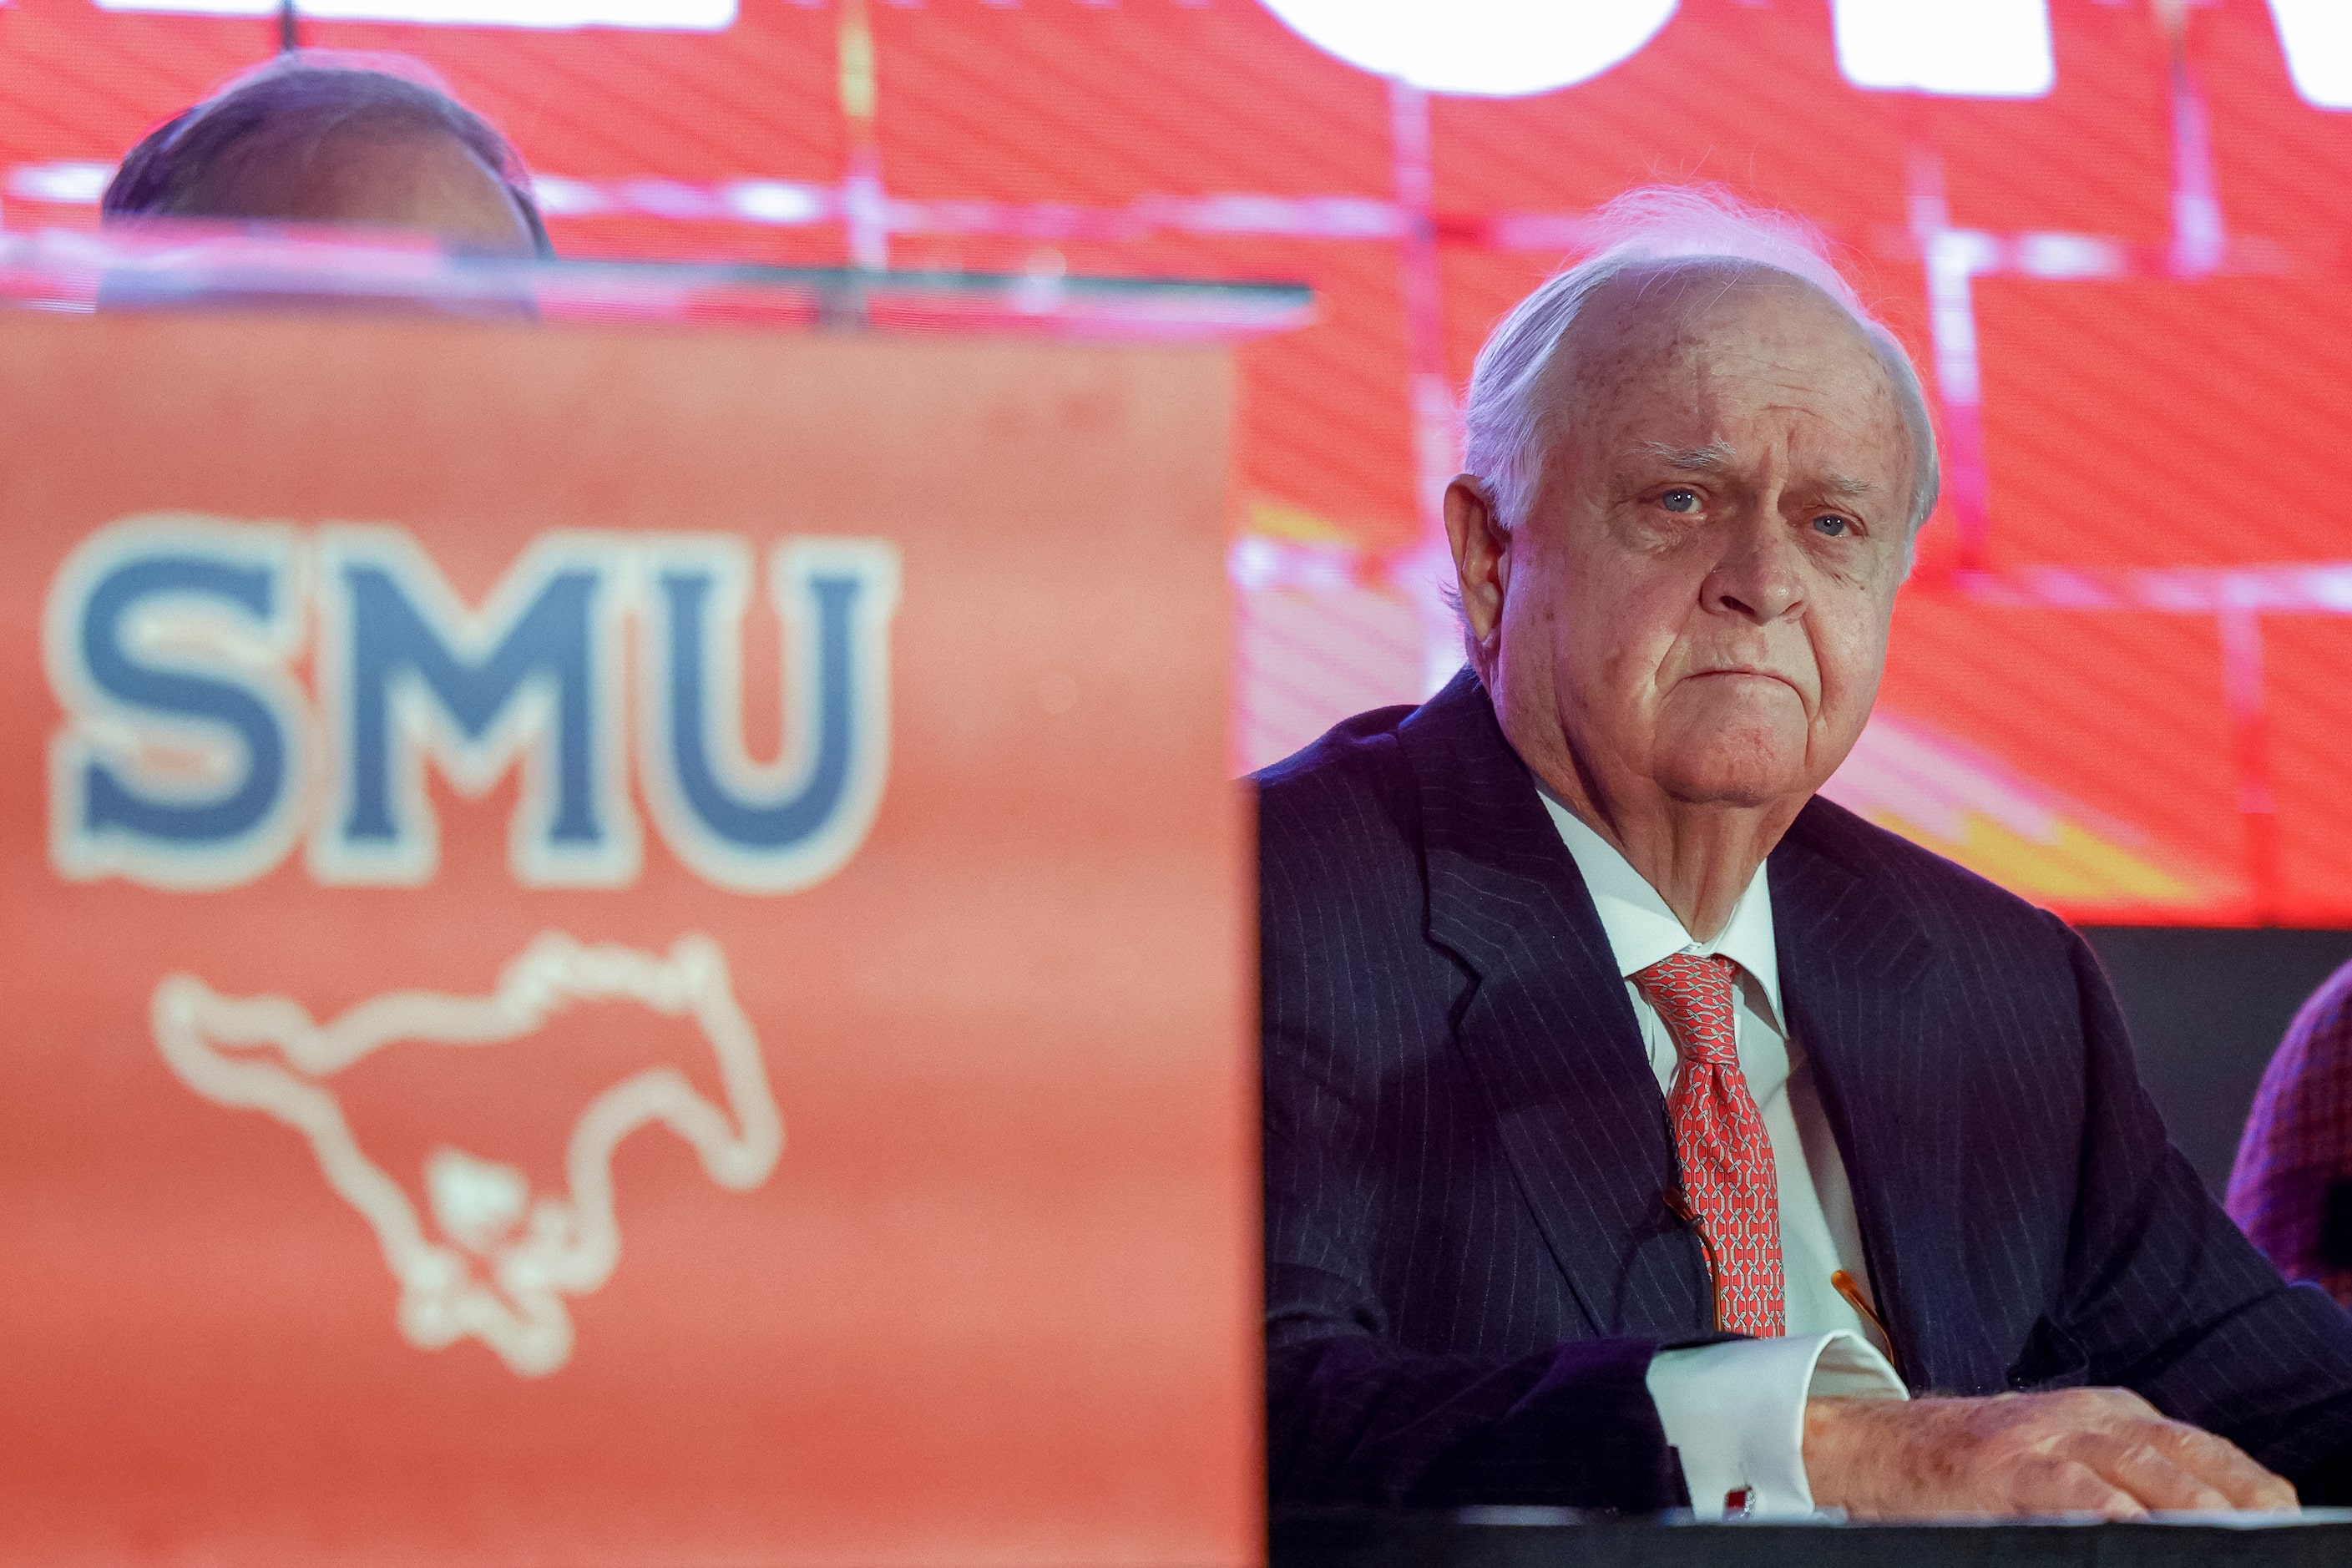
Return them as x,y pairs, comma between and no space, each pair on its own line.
2119,678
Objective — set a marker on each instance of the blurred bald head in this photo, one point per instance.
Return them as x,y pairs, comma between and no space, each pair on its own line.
310,143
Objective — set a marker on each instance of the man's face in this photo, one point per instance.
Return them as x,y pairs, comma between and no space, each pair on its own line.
1699,596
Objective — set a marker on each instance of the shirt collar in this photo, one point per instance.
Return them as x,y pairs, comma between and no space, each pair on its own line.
1643,929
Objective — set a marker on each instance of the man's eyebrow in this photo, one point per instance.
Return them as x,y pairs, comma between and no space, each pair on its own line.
1714,455
1717,456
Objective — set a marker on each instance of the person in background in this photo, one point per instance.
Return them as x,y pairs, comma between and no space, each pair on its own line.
2290,1189
316,139
1643,1130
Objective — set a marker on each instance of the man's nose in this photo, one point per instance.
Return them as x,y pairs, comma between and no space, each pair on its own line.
1759,576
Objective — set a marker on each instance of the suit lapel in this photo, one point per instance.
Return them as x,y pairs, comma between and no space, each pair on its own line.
1547,1025
1854,971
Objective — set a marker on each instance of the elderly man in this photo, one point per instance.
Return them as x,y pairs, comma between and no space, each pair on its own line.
1640,1128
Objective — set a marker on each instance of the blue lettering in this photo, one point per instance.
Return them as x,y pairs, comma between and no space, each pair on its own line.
180,760
797,814
783,827
389,638
110,804
189,757
408,673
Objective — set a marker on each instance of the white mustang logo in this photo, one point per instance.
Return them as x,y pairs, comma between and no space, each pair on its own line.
504,1262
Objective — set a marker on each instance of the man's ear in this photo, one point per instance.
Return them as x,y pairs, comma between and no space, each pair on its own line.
1482,560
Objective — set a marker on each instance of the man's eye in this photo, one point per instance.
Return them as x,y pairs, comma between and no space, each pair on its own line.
1833,525
1679,501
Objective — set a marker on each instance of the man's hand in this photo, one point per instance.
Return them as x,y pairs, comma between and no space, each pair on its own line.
2083,1450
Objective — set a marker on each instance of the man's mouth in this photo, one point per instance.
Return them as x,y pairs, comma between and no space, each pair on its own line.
1748,672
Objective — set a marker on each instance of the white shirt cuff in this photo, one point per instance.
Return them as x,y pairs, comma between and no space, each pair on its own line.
1735,1411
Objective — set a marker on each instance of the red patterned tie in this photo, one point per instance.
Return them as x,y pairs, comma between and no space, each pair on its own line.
1719,1137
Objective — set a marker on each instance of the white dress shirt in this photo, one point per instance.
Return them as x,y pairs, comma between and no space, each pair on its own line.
1735,1411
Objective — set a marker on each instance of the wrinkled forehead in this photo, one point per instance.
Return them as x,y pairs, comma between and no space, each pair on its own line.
1713,338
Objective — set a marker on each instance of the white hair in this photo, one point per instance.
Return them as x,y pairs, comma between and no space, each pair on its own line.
1503,420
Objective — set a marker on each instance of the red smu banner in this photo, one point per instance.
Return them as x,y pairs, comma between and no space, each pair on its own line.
621,947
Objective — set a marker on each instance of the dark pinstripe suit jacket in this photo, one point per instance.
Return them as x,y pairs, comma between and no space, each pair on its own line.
1469,1261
